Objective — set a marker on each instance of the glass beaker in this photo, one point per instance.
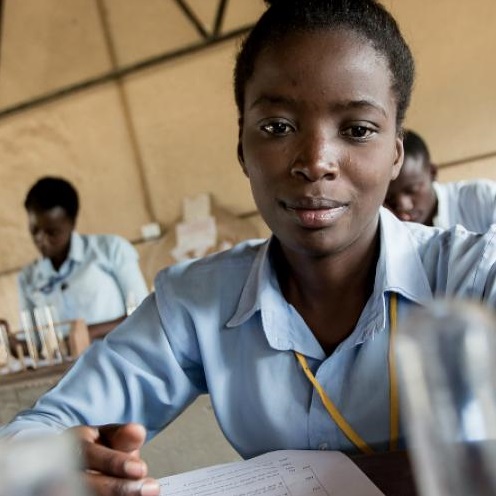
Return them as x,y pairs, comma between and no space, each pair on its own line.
447,362
41,466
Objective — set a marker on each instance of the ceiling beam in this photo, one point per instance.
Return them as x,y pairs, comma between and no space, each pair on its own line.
117,74
191,16
219,18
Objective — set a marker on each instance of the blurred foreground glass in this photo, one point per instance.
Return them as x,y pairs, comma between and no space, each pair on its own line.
447,363
45,466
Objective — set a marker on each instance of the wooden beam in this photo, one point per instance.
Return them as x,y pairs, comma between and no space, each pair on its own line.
121,72
191,16
219,18
467,160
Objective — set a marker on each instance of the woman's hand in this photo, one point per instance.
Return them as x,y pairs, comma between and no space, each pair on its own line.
112,460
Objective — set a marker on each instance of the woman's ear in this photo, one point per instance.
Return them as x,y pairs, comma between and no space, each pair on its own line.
433,171
399,155
241,157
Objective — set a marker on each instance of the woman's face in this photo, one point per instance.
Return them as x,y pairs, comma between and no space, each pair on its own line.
411,196
51,232
318,140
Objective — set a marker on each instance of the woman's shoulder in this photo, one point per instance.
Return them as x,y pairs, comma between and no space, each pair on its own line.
26,273
108,245
239,257
453,241
468,190
455,261
212,273
426,238
458,261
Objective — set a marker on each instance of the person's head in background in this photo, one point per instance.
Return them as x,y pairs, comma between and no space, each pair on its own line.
52,205
322,88
411,196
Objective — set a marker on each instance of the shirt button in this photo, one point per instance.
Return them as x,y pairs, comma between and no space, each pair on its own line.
322,446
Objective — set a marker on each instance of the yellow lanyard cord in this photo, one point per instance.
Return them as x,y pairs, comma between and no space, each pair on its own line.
331,408
394,409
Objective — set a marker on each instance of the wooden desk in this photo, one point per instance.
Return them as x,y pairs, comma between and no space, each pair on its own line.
391,472
77,341
48,374
19,390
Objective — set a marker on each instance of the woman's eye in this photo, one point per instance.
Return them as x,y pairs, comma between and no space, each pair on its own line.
277,128
413,190
358,132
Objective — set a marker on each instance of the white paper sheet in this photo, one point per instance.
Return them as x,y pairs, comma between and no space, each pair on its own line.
280,473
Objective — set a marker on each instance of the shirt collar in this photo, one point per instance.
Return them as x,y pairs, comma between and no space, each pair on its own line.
283,326
399,270
44,270
76,251
260,277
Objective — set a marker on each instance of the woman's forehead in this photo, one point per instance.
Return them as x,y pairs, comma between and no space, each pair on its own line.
335,64
52,216
317,47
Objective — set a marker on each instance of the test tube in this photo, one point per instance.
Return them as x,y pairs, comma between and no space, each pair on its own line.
30,336
39,318
5,357
52,338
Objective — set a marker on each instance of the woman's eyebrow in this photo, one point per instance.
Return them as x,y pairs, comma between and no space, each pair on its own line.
272,99
359,104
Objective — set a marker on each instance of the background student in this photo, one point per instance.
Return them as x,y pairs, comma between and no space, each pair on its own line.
415,195
322,88
82,276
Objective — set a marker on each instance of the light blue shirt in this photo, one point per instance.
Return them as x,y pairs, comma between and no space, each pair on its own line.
220,325
100,272
471,204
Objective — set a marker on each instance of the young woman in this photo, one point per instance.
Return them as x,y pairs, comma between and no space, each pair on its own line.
291,337
81,276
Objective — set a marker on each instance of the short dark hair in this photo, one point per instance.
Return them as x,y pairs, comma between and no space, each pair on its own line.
367,18
50,192
415,146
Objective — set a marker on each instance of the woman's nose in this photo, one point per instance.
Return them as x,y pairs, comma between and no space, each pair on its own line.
317,157
39,238
403,203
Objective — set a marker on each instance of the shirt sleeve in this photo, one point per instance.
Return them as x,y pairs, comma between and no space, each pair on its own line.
490,194
477,200
118,380
125,263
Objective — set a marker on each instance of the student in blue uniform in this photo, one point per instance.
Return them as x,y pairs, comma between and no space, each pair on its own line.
81,276
322,88
416,196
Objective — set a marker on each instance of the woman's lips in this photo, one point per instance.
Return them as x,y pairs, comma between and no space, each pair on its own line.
316,213
409,216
